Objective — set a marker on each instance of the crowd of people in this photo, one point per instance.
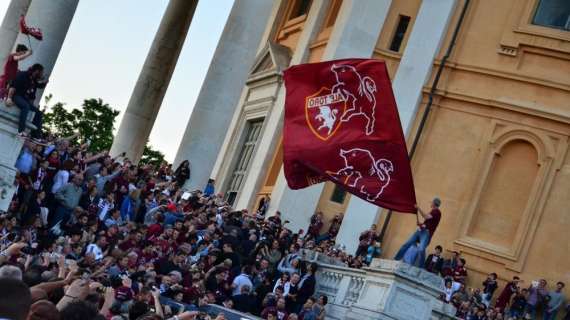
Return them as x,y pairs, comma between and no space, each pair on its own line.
89,236
516,300
94,236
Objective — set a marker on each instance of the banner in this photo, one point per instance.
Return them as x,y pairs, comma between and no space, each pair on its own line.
342,125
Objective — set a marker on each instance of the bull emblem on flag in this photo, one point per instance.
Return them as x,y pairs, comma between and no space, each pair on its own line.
363,172
322,111
358,92
328,118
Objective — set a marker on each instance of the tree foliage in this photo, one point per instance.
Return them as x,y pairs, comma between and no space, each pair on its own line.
93,121
151,156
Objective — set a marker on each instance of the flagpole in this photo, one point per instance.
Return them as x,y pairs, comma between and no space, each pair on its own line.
29,41
429,105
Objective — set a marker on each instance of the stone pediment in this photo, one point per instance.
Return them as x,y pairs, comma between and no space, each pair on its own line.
273,58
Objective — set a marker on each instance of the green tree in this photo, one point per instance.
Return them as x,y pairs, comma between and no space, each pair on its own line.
94,121
151,156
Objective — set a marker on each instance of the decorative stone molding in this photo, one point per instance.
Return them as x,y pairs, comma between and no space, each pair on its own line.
523,33
386,290
258,99
551,148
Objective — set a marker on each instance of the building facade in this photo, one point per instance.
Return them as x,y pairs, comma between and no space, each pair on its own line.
493,147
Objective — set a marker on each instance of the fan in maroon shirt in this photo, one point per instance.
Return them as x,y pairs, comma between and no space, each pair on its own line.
11,67
431,220
424,233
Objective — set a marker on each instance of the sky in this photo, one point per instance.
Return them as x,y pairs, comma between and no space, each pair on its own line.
105,49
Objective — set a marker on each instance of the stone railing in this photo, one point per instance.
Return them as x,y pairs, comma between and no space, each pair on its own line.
386,290
314,256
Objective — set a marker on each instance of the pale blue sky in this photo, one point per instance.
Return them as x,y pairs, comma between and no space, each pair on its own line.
106,47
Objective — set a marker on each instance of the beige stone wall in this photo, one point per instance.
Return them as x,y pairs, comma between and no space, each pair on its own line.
495,147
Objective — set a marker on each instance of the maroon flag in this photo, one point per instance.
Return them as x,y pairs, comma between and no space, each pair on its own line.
34,32
342,125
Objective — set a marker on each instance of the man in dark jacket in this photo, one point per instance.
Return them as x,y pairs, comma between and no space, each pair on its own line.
307,284
22,93
434,261
245,301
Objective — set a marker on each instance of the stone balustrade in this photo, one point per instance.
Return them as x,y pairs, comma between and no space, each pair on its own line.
386,290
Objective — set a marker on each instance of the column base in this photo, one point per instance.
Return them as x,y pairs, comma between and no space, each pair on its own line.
11,145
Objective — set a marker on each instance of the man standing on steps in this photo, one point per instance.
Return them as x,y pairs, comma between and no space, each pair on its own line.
424,233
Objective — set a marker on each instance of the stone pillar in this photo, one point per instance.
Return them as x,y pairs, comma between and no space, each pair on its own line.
429,30
354,35
222,88
53,18
10,145
11,26
153,80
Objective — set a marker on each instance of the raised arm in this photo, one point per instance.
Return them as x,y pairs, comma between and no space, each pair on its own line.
95,157
71,137
157,305
23,56
425,215
109,300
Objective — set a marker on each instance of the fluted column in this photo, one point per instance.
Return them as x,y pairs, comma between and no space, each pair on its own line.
153,80
53,17
10,26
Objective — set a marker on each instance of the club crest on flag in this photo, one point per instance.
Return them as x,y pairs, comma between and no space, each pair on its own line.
323,111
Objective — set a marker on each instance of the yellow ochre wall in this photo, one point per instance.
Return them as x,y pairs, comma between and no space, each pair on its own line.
494,148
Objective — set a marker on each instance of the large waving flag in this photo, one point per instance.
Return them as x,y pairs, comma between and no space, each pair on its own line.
342,125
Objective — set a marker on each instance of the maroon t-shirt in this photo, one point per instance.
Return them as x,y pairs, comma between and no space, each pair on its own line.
431,223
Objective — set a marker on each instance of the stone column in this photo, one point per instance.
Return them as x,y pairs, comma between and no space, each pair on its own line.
10,145
53,17
429,30
153,80
11,26
354,35
222,87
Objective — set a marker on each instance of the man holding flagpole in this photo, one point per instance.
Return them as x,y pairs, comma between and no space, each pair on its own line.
424,233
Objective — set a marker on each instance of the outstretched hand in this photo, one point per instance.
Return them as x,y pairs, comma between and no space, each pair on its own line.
79,289
109,294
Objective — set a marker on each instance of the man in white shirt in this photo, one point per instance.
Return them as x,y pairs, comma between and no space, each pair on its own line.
96,248
244,279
